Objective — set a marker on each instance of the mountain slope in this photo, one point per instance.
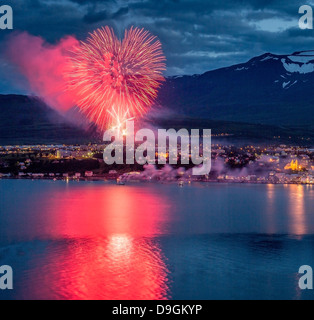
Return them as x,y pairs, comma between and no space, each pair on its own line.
28,120
269,89
270,95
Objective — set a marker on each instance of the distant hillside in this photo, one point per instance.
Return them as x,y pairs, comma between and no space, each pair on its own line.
240,132
269,89
269,96
28,120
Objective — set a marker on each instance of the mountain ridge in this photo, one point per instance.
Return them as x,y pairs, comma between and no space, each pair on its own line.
268,89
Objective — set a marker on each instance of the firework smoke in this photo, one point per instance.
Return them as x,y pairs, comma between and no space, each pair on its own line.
44,66
114,79
110,80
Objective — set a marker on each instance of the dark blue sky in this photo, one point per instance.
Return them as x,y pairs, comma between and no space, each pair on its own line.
197,35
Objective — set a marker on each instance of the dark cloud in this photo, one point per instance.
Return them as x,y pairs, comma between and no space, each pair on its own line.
121,12
94,17
84,2
197,35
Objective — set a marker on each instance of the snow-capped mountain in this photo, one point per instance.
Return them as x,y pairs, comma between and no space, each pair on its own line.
299,63
269,89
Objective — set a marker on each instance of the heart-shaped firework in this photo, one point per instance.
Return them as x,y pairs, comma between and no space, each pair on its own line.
114,79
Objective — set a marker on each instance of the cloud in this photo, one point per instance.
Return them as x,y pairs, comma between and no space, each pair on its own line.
197,35
84,2
94,17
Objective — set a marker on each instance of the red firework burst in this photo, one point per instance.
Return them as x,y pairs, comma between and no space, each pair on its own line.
111,76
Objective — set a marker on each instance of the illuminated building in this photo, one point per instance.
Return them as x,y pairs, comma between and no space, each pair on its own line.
294,166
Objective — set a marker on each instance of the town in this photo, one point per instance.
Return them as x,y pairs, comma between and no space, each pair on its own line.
280,164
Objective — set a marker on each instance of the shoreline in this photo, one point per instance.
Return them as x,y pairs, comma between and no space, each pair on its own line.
177,181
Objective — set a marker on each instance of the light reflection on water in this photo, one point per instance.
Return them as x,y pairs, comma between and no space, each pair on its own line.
297,209
150,241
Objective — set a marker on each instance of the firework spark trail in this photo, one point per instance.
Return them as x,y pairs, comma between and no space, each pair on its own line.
108,74
120,121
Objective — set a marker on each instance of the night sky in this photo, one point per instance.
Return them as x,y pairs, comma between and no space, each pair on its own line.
197,35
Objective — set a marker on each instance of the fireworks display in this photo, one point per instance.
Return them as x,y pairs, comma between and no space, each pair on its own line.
115,80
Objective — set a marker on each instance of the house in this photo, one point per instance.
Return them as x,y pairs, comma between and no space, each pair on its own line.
89,174
38,175
5,175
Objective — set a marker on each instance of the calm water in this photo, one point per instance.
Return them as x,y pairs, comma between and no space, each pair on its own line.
92,240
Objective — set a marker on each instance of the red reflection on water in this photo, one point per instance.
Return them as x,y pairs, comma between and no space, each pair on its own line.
110,252
103,211
117,268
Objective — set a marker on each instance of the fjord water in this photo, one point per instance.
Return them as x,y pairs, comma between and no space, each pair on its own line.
96,240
